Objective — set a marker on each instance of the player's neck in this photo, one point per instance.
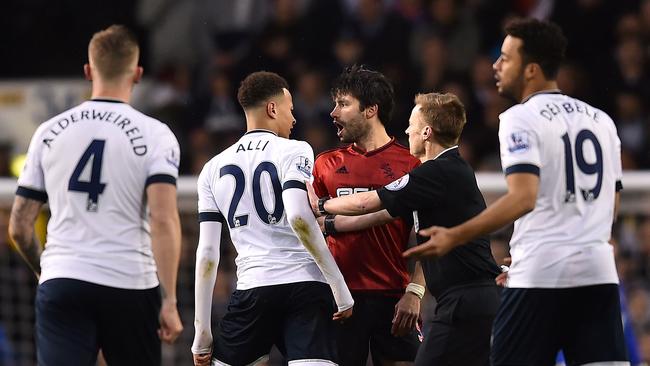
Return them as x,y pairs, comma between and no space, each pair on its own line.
254,121
431,151
376,138
111,91
536,87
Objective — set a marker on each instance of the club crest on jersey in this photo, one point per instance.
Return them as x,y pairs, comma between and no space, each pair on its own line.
398,184
518,142
304,165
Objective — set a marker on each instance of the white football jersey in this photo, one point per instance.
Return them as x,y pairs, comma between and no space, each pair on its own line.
575,150
244,184
93,163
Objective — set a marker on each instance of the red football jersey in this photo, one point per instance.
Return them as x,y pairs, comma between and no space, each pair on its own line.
369,259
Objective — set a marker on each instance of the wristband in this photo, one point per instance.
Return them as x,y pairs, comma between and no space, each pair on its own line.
417,290
330,228
321,206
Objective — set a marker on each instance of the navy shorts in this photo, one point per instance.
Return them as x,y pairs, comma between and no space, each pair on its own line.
295,317
74,319
533,324
459,333
369,330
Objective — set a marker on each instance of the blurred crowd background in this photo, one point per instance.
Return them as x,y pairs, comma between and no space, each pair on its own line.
195,52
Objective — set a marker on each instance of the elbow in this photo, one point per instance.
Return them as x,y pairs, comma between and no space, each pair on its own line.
19,235
170,220
527,204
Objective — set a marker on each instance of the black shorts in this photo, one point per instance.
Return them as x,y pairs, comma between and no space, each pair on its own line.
533,324
461,328
295,317
74,319
369,329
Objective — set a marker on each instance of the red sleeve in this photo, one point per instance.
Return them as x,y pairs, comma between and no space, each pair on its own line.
319,184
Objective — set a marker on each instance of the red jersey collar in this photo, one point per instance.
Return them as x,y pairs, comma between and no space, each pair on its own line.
355,149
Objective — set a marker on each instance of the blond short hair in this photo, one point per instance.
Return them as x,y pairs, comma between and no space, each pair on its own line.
445,114
112,51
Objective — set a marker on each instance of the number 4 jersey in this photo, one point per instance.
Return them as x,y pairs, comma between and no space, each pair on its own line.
244,184
575,150
93,164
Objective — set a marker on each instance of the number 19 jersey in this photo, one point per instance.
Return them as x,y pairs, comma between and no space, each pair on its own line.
92,164
244,185
574,149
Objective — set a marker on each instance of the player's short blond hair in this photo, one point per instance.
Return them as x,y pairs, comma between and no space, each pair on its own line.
445,114
112,51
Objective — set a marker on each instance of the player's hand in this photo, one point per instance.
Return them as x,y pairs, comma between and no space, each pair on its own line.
441,241
407,312
502,278
170,322
202,359
313,199
342,315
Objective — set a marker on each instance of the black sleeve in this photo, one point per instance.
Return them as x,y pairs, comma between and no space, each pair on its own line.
423,189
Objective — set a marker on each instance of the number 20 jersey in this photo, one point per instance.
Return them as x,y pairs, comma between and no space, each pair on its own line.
92,163
244,183
575,150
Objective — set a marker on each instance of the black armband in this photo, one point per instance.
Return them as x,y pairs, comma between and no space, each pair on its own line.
321,205
330,227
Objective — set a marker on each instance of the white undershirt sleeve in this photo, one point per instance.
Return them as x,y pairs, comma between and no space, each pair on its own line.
207,261
303,223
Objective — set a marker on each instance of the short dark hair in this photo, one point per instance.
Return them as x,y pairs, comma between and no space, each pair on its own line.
369,87
543,43
445,114
113,50
258,87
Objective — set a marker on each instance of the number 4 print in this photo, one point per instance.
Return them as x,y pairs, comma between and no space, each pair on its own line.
93,187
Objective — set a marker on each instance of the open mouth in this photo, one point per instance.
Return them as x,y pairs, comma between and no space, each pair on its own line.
339,128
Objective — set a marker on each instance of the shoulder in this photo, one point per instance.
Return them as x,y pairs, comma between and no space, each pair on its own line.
296,147
518,117
331,152
209,169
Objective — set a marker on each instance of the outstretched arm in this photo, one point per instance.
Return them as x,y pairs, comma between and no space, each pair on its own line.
342,223
166,247
21,230
352,205
304,224
520,199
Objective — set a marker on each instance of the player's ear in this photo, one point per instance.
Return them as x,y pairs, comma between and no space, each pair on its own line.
532,69
87,73
138,74
371,111
272,109
427,132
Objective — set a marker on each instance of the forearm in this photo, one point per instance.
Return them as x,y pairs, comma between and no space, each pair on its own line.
503,212
344,223
417,276
166,246
21,230
205,276
304,224
29,248
354,204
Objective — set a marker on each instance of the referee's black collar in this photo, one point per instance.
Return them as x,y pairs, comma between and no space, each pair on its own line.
548,91
260,130
107,100
449,150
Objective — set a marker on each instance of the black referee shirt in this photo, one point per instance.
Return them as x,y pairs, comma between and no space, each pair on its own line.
443,192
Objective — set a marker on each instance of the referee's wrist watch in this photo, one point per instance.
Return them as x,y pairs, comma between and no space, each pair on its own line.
330,227
321,206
